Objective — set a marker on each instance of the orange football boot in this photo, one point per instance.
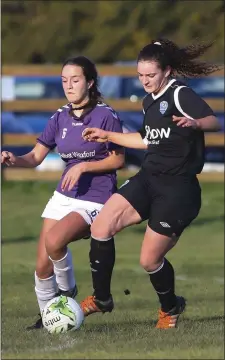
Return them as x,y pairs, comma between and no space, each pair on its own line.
169,320
91,305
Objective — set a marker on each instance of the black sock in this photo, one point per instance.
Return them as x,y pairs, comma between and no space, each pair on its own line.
102,259
163,283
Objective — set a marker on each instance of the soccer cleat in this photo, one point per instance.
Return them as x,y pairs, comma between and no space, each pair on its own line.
169,320
91,305
37,325
70,293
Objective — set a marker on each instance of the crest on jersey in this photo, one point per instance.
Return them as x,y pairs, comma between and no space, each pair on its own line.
163,106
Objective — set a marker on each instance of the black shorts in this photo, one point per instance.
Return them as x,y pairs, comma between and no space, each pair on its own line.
170,203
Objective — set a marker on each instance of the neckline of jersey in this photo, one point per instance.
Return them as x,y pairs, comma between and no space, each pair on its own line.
164,90
80,119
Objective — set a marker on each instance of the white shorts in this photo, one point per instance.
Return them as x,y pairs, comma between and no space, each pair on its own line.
60,205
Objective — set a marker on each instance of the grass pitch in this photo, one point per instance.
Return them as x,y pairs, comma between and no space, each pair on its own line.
128,332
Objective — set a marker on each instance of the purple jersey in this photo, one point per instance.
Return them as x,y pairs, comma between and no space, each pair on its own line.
65,132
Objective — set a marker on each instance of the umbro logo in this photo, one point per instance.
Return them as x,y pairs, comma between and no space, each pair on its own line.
164,224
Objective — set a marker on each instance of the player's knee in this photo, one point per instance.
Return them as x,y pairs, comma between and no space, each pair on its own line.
150,262
101,233
44,268
52,244
101,230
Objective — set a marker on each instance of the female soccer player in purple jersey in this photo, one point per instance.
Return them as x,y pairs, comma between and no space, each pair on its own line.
89,178
166,190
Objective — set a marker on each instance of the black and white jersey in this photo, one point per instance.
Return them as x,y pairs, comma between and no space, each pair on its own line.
172,149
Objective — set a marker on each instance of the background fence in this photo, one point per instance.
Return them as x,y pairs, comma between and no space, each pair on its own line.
50,105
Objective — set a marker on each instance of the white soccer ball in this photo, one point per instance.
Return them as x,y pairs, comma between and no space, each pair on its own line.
62,314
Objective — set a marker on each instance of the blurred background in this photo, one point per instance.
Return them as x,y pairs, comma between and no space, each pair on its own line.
37,36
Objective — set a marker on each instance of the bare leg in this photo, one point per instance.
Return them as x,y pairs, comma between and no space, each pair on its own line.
154,248
70,228
45,282
116,214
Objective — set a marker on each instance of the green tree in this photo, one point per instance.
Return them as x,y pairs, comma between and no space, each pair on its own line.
106,31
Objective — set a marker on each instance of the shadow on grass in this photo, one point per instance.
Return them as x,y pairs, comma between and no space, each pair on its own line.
136,229
19,240
117,327
198,222
207,220
204,319
25,239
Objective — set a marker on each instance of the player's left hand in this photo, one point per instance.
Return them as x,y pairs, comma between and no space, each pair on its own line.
185,122
72,176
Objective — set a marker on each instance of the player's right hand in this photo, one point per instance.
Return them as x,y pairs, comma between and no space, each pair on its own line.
8,158
95,134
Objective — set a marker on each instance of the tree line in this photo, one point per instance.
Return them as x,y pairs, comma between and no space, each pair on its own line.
106,31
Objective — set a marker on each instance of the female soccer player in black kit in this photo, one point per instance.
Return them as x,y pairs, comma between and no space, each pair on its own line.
166,190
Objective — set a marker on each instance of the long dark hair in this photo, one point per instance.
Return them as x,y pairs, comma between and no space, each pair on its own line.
181,60
90,73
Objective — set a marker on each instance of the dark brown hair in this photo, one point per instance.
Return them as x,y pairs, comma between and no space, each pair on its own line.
181,60
90,73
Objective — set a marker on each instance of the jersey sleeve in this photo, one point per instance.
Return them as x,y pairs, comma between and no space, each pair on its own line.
47,137
142,131
192,104
113,123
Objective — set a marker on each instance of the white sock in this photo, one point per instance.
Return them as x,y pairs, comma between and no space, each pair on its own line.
45,289
64,272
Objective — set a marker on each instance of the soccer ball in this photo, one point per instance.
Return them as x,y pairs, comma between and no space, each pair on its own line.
62,314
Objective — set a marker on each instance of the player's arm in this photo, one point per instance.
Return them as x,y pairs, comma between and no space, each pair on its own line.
113,162
45,143
29,160
129,140
200,116
208,123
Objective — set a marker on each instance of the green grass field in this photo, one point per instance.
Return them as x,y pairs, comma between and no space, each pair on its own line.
128,332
